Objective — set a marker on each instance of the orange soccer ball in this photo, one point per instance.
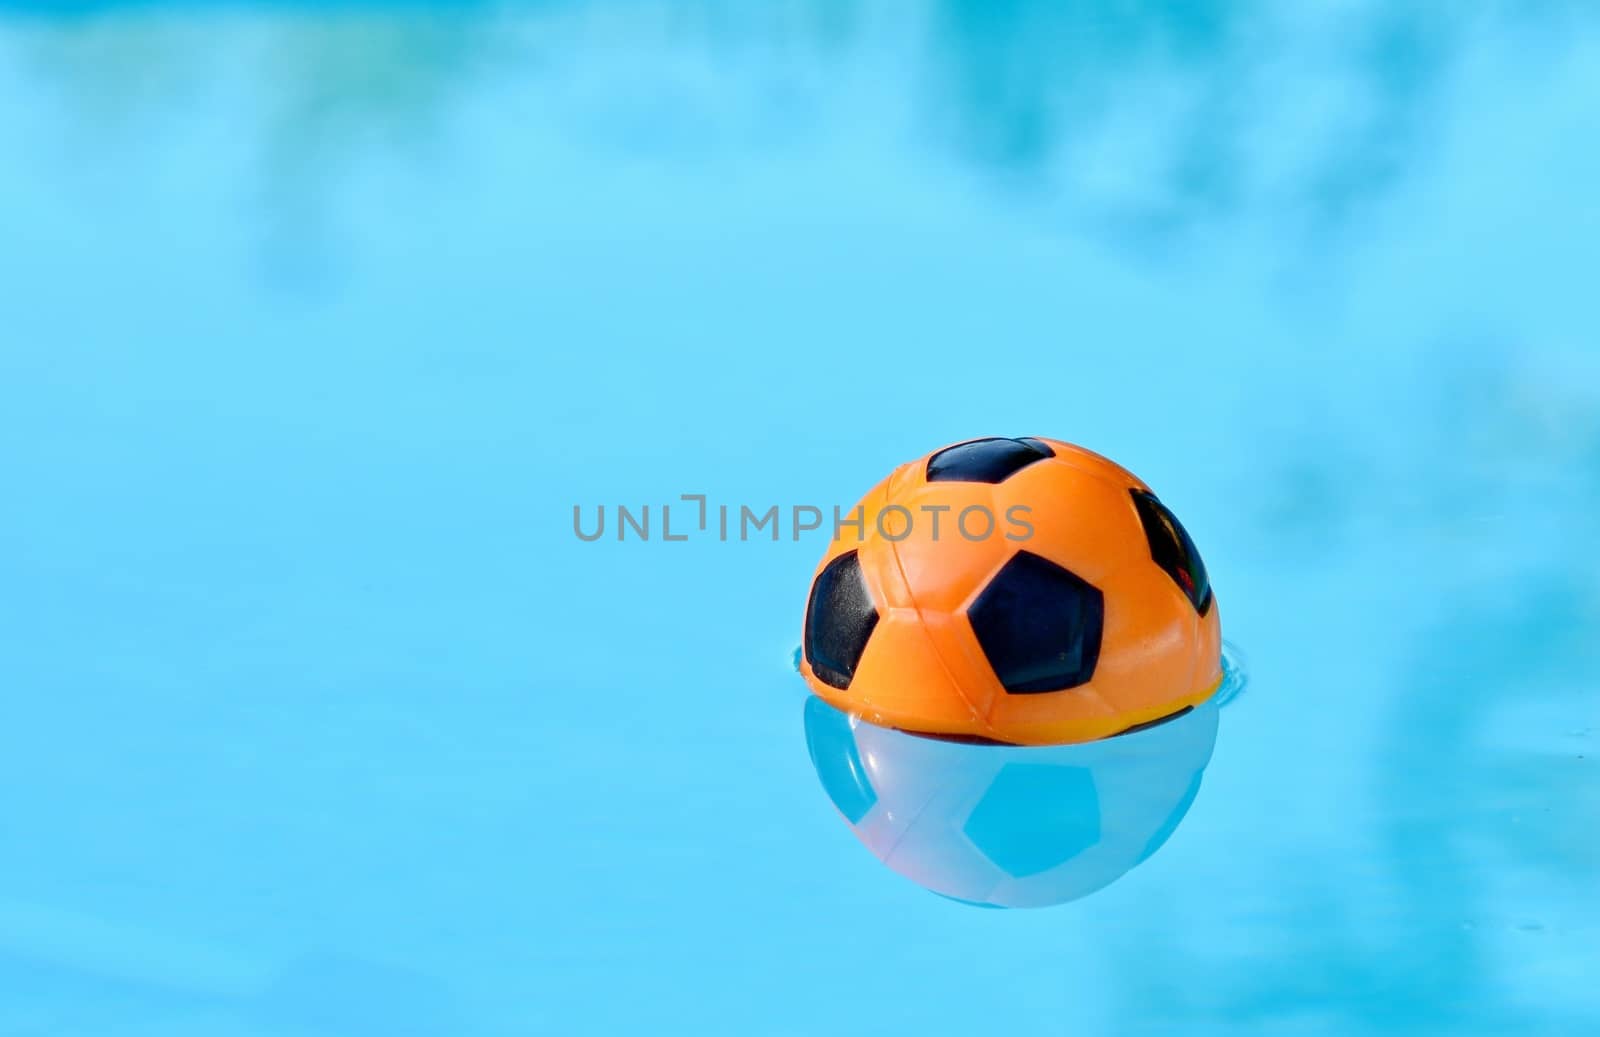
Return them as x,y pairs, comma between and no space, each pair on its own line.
1019,590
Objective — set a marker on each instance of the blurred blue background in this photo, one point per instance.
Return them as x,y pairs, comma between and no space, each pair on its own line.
317,320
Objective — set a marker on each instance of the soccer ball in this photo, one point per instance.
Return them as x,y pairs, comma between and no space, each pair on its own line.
1024,591
1010,826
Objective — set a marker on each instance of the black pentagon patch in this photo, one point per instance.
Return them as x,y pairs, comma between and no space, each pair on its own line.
985,460
832,744
1034,817
839,619
1172,550
1039,625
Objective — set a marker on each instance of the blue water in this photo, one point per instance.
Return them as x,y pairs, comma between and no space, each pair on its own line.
317,321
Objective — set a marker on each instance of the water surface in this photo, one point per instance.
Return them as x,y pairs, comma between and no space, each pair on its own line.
316,321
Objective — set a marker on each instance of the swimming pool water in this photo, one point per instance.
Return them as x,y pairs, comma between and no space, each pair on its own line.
317,321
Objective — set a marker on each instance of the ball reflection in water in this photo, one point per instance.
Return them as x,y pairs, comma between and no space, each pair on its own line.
1011,826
